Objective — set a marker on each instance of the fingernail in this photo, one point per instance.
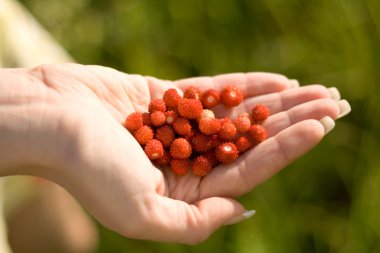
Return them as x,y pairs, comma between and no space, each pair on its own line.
334,93
327,123
240,218
344,108
293,83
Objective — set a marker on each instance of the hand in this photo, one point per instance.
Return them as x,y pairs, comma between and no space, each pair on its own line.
83,146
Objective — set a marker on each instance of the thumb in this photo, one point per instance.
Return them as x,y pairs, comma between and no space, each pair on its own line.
178,221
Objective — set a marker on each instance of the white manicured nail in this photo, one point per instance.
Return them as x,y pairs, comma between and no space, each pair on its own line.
327,123
334,93
344,108
240,218
293,83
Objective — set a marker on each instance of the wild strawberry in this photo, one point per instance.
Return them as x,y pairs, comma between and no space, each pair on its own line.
164,160
146,119
225,120
182,126
134,121
227,132
201,166
166,135
190,135
210,98
257,133
190,108
211,157
171,98
243,143
180,148
143,135
202,143
215,141
242,124
260,113
158,118
157,105
206,113
171,116
154,149
180,167
226,152
192,92
231,96
209,126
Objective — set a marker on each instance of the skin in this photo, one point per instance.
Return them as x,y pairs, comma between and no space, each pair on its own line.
64,122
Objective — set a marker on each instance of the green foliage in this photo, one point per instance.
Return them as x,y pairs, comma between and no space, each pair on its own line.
328,201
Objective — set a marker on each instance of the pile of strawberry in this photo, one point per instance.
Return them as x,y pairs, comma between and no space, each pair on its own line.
183,133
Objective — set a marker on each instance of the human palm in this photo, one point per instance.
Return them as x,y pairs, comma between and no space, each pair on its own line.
102,165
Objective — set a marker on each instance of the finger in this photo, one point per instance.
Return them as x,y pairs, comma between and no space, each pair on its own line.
281,101
265,160
158,87
171,220
316,109
290,98
251,84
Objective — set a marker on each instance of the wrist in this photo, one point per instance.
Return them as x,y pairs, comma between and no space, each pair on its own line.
24,126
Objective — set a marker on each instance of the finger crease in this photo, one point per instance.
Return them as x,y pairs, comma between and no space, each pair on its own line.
284,153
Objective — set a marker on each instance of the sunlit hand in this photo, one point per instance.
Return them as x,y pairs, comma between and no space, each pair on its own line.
77,140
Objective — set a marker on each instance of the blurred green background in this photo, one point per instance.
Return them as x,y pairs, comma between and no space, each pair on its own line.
327,201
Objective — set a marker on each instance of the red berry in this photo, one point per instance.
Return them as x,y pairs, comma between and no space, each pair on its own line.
201,166
180,148
209,126
215,141
180,167
243,143
242,124
146,119
164,160
171,116
231,96
225,120
192,93
143,135
154,149
158,118
190,108
206,113
182,126
157,105
190,135
171,98
260,113
226,152
257,133
166,135
134,121
211,157
210,98
202,143
227,132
